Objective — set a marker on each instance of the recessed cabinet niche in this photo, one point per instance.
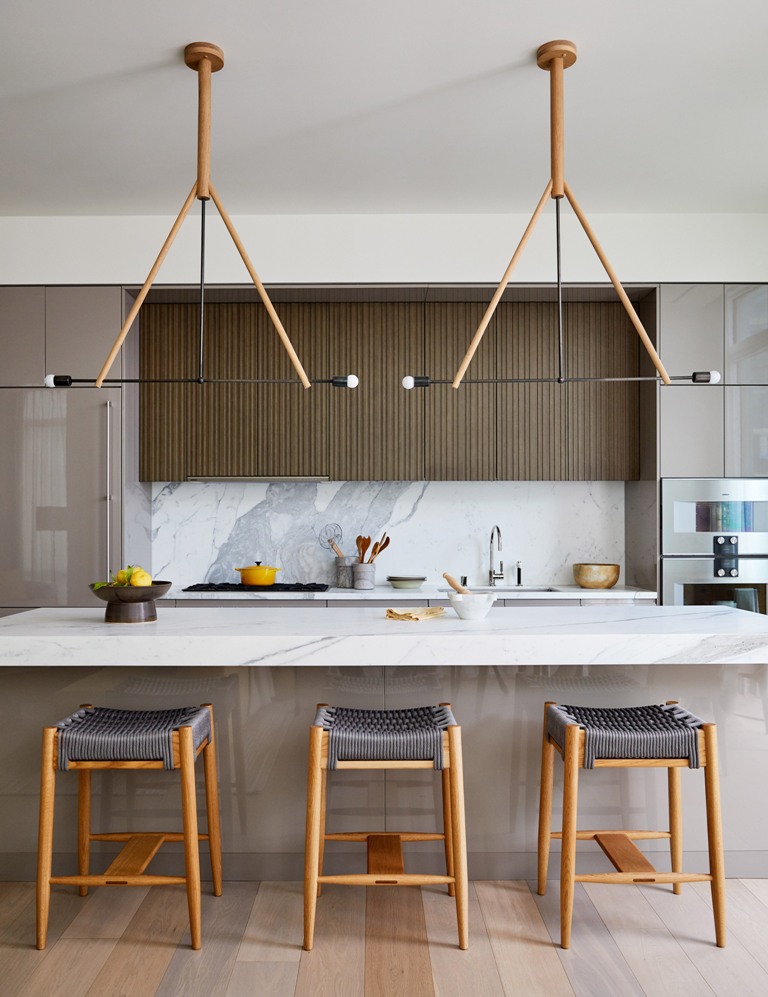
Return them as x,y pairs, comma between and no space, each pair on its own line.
379,431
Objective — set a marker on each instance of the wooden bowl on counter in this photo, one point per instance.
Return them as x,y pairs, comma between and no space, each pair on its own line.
596,576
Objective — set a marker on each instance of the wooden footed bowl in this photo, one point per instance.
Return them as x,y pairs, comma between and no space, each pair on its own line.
596,576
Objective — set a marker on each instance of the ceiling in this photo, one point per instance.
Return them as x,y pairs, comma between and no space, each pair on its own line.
356,107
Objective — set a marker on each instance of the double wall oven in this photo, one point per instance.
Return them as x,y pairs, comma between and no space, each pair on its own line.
714,542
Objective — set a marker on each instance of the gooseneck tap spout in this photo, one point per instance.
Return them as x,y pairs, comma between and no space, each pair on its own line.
494,575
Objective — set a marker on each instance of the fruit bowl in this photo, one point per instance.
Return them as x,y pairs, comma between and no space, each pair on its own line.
596,576
131,603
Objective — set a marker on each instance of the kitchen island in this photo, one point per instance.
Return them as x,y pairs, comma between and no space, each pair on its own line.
265,669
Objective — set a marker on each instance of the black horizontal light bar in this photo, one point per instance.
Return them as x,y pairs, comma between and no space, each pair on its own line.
66,381
422,381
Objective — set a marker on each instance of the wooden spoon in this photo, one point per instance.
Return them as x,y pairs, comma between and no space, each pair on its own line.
378,548
363,544
358,543
455,585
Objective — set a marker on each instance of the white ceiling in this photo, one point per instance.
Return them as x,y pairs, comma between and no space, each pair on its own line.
410,106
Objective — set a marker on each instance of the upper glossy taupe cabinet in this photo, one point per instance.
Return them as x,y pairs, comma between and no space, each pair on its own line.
22,336
81,324
379,431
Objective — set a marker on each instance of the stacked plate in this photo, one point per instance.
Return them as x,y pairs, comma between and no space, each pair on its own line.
406,581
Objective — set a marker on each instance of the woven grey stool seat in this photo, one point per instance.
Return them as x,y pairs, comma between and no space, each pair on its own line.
420,738
102,738
656,736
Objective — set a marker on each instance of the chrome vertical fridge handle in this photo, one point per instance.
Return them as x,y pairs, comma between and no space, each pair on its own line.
108,486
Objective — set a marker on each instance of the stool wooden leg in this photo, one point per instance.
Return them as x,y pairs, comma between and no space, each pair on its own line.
715,831
83,825
191,841
213,813
448,830
312,843
45,834
321,844
545,806
675,823
570,804
456,772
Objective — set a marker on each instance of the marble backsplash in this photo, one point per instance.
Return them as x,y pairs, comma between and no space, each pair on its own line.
202,531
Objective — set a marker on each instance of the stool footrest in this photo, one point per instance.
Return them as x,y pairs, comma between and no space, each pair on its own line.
590,835
403,835
127,835
624,855
135,856
374,879
116,880
634,877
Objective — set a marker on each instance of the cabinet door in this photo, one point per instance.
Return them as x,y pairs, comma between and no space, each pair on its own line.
261,430
691,417
22,336
60,530
460,438
746,431
81,325
532,418
377,430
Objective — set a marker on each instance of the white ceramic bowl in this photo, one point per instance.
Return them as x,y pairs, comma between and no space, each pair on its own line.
406,581
474,606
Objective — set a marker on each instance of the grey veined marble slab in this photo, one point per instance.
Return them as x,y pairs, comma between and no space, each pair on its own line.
610,635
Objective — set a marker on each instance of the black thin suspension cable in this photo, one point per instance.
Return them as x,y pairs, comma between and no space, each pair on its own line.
560,359
201,362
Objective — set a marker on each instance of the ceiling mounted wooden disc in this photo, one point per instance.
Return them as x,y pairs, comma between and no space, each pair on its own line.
195,52
561,48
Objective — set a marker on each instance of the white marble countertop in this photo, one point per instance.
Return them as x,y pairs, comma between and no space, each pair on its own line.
614,635
426,592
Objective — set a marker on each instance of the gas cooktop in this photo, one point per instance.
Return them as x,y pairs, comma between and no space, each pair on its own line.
238,587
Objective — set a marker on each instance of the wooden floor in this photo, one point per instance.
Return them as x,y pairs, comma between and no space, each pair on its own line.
392,941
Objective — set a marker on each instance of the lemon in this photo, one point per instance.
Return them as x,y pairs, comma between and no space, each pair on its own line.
140,577
121,578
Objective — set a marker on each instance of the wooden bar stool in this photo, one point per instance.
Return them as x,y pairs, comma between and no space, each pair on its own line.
96,737
634,737
422,738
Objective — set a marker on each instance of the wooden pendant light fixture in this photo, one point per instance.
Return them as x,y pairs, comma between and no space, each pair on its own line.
205,58
555,57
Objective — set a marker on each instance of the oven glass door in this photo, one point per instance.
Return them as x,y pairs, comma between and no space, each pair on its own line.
689,581
694,511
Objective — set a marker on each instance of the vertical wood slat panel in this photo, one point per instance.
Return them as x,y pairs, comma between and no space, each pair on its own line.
602,427
532,418
378,428
460,425
167,349
261,429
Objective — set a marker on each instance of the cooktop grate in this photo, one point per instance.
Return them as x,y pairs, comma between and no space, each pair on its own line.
239,587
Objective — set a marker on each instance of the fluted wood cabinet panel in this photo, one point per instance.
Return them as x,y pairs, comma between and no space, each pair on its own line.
603,441
460,441
168,335
378,428
244,430
531,433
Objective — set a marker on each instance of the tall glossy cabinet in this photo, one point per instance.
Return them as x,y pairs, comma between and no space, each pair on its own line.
746,376
60,449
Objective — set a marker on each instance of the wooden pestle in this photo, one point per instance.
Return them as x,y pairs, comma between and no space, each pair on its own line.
455,585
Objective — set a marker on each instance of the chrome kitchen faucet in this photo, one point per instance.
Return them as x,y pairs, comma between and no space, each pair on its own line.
493,575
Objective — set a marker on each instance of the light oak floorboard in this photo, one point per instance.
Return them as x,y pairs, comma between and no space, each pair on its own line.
275,929
525,957
457,973
728,971
106,912
265,979
141,957
397,962
18,956
16,897
206,973
745,918
594,964
759,887
55,975
336,964
652,953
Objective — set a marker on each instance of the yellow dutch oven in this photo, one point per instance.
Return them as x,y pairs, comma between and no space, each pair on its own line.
258,574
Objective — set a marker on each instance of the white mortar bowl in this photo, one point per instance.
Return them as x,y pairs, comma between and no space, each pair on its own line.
474,606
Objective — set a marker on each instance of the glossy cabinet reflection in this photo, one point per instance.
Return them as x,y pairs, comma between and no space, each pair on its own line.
746,365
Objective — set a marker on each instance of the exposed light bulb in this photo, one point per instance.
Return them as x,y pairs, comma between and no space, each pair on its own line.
408,382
